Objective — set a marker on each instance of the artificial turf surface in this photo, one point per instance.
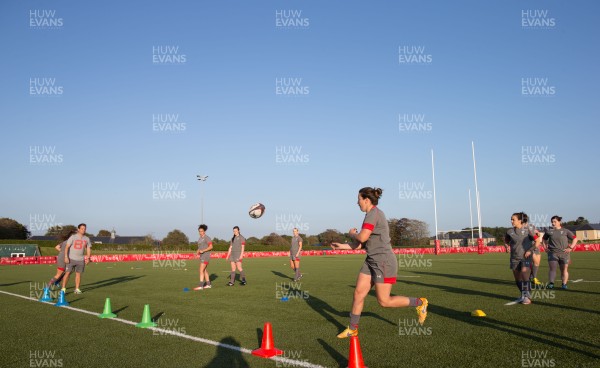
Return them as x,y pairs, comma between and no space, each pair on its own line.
560,329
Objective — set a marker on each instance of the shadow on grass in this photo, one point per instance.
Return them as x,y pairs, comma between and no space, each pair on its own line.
120,309
74,300
461,291
330,314
157,316
16,283
524,332
228,355
282,275
485,280
110,282
339,358
213,277
571,290
259,335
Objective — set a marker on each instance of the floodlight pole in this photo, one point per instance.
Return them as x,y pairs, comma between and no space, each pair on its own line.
201,178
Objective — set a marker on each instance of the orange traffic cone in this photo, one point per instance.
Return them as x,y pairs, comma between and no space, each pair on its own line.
355,360
267,348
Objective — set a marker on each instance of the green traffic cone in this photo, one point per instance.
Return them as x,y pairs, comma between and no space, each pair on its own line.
107,310
146,320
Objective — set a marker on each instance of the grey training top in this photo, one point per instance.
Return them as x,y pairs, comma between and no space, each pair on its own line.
296,240
78,243
379,241
204,242
520,241
558,239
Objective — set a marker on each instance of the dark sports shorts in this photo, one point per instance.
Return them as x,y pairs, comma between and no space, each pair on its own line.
562,258
77,266
382,268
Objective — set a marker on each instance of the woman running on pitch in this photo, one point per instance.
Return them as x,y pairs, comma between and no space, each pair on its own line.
381,266
536,256
204,247
559,251
235,254
520,242
60,259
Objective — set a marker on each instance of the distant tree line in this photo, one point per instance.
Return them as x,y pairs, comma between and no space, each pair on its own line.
404,232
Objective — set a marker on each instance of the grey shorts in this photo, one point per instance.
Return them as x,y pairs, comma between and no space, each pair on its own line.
382,268
293,256
60,263
518,264
77,266
205,257
562,258
234,257
536,251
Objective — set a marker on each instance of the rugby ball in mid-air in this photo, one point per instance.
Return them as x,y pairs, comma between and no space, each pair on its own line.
256,210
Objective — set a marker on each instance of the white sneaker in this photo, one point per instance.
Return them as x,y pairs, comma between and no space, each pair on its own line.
198,288
526,301
77,291
208,286
520,300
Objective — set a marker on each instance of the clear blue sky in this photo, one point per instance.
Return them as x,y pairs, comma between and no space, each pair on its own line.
114,169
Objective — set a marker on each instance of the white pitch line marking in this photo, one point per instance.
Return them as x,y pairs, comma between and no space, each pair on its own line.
578,280
511,303
293,362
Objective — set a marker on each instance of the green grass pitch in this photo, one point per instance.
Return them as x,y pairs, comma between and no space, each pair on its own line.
560,329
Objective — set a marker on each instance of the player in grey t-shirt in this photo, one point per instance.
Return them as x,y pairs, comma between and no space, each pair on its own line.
520,242
535,256
235,254
558,249
204,247
75,259
60,259
381,266
295,249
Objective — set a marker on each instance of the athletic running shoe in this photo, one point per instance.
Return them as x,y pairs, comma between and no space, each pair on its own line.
520,300
564,286
77,291
64,290
230,283
526,301
550,285
199,287
299,277
243,282
422,311
207,286
348,332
